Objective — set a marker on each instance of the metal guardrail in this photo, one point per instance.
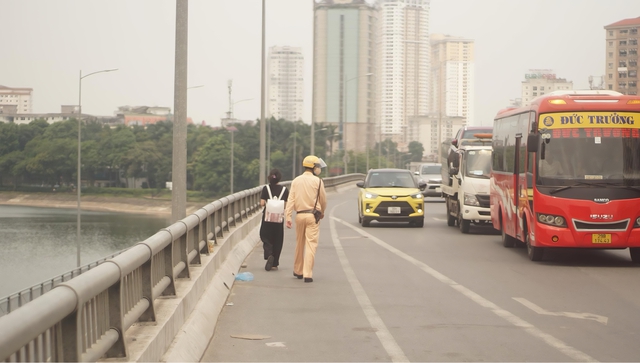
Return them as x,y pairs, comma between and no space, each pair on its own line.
82,315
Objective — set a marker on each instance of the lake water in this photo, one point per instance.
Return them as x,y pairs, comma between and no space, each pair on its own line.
40,243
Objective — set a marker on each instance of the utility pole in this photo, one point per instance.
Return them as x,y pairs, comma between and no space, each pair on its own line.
179,161
263,127
313,82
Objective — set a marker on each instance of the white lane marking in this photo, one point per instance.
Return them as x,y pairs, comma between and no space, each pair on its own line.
388,341
552,341
587,316
276,345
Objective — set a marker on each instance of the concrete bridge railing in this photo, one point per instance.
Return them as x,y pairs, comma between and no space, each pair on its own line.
132,305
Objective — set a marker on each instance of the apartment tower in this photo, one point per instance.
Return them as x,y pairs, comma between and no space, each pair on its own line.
344,69
452,95
622,56
285,93
404,50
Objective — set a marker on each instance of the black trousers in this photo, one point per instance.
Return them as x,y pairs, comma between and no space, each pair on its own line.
272,236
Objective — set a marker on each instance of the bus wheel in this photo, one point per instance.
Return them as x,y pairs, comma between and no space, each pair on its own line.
635,254
464,224
507,240
451,220
535,253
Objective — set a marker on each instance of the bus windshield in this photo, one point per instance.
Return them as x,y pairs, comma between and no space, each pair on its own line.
597,156
478,164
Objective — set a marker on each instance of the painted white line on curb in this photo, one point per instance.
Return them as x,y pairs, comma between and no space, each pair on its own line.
552,341
388,341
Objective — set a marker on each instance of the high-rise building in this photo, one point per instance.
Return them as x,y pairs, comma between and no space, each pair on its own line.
344,69
539,82
622,56
285,91
453,77
15,100
404,50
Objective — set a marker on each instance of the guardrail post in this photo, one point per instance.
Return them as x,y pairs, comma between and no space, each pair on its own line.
196,237
147,291
70,337
118,349
225,215
182,254
168,270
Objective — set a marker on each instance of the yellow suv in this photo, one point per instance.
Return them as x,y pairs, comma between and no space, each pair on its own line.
391,195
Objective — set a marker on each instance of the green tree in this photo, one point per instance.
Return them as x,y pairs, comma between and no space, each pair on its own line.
416,149
211,166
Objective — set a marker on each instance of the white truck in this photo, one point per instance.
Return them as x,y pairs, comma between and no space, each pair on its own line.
467,198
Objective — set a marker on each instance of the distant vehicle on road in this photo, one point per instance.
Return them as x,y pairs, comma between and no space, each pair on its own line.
464,135
430,173
391,195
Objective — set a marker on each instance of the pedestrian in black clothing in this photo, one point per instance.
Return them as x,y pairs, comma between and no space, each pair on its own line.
272,233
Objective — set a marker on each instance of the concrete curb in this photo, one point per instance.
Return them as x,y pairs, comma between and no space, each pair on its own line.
191,342
180,332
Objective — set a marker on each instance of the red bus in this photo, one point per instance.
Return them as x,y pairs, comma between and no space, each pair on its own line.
566,173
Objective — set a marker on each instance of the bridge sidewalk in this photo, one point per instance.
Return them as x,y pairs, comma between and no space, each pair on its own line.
277,317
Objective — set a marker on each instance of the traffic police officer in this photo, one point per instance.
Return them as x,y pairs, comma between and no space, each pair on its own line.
308,198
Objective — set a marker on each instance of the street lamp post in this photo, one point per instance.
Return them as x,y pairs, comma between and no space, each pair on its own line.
232,130
344,123
80,151
295,136
313,137
263,129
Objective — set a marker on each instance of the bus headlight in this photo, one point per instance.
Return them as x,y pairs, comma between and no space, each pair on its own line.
552,220
470,199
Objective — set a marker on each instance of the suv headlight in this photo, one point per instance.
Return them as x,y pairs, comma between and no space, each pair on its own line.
637,224
470,199
370,195
417,196
552,220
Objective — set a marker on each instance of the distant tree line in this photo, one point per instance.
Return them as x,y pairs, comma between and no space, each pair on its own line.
42,154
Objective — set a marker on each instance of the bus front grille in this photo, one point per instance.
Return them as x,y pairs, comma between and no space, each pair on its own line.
584,226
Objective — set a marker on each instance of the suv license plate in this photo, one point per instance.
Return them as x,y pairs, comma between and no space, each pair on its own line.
601,238
393,210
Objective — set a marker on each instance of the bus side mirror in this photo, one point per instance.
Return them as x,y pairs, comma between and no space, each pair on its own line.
532,142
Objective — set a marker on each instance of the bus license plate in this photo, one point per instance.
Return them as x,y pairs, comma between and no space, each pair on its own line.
601,238
393,210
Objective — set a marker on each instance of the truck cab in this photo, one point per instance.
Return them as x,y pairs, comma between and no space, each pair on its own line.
467,198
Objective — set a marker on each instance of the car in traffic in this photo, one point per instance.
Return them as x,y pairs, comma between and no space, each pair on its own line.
430,173
391,195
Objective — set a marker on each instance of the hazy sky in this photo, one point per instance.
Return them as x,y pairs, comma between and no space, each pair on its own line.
46,43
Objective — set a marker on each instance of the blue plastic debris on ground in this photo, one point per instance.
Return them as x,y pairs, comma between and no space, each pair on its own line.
244,276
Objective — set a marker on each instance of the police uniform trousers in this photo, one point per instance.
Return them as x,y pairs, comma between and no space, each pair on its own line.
307,234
